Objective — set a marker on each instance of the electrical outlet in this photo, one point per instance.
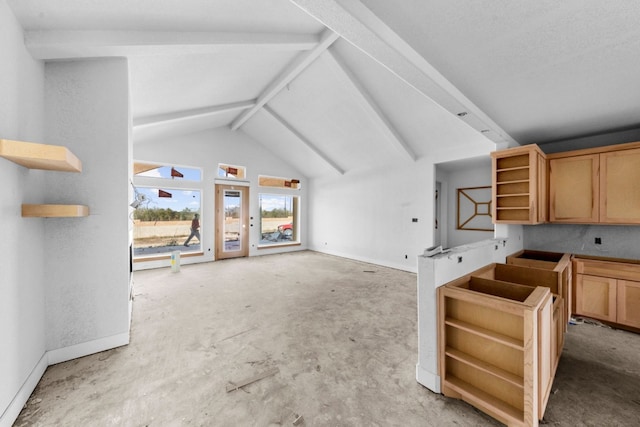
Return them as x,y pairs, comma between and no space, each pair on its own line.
598,241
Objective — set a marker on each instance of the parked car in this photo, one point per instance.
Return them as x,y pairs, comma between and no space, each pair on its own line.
286,229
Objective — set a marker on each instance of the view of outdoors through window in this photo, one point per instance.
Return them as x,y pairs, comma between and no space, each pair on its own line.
163,221
278,219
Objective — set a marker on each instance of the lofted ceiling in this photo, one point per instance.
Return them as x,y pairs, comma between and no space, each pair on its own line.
335,86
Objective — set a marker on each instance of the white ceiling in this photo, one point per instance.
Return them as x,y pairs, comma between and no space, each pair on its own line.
335,86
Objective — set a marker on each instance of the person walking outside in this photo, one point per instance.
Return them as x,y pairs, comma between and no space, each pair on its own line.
195,229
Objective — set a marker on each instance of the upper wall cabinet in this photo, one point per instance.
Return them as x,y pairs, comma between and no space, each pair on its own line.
596,185
574,189
519,192
620,187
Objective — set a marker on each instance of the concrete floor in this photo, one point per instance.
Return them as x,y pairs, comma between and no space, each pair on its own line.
342,334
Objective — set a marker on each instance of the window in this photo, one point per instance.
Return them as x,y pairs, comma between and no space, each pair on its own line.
229,171
278,219
150,170
165,207
271,181
162,221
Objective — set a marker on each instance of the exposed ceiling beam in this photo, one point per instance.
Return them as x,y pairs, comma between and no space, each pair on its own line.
367,32
50,44
287,76
302,138
161,119
370,105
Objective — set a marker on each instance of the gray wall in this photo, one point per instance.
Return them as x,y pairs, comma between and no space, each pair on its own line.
617,241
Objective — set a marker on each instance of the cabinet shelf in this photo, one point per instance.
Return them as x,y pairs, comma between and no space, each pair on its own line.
486,333
54,211
485,367
513,169
40,156
513,195
507,413
518,181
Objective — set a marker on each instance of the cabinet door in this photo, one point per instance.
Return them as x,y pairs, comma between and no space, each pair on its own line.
620,187
596,297
629,303
574,189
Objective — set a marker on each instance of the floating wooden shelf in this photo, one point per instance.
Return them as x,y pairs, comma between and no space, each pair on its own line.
40,156
54,211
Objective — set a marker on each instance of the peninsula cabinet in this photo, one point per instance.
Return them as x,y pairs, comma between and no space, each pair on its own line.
597,185
608,289
519,186
495,346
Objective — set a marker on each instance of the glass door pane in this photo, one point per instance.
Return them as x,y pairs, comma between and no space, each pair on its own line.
232,215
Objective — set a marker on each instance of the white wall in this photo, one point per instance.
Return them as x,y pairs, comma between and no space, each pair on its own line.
87,261
22,299
206,150
367,215
464,178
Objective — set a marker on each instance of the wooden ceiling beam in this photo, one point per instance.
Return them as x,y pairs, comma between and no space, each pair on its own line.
296,67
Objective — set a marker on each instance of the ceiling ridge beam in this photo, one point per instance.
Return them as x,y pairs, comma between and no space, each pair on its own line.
297,66
302,138
359,26
161,119
371,106
57,44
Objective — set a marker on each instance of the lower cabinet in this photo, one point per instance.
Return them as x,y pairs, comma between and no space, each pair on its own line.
498,346
628,303
596,297
608,290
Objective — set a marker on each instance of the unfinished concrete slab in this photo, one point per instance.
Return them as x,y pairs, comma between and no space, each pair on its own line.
337,338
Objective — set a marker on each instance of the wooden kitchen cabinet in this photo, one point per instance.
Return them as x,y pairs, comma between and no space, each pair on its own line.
574,189
519,187
596,297
500,341
628,303
598,185
620,187
608,289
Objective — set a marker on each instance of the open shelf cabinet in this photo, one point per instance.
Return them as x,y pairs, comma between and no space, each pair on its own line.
492,350
519,185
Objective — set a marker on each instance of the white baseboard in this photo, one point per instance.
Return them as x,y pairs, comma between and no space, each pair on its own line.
53,357
397,266
428,379
13,410
86,348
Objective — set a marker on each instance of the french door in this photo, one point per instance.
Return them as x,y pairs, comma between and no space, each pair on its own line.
232,221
